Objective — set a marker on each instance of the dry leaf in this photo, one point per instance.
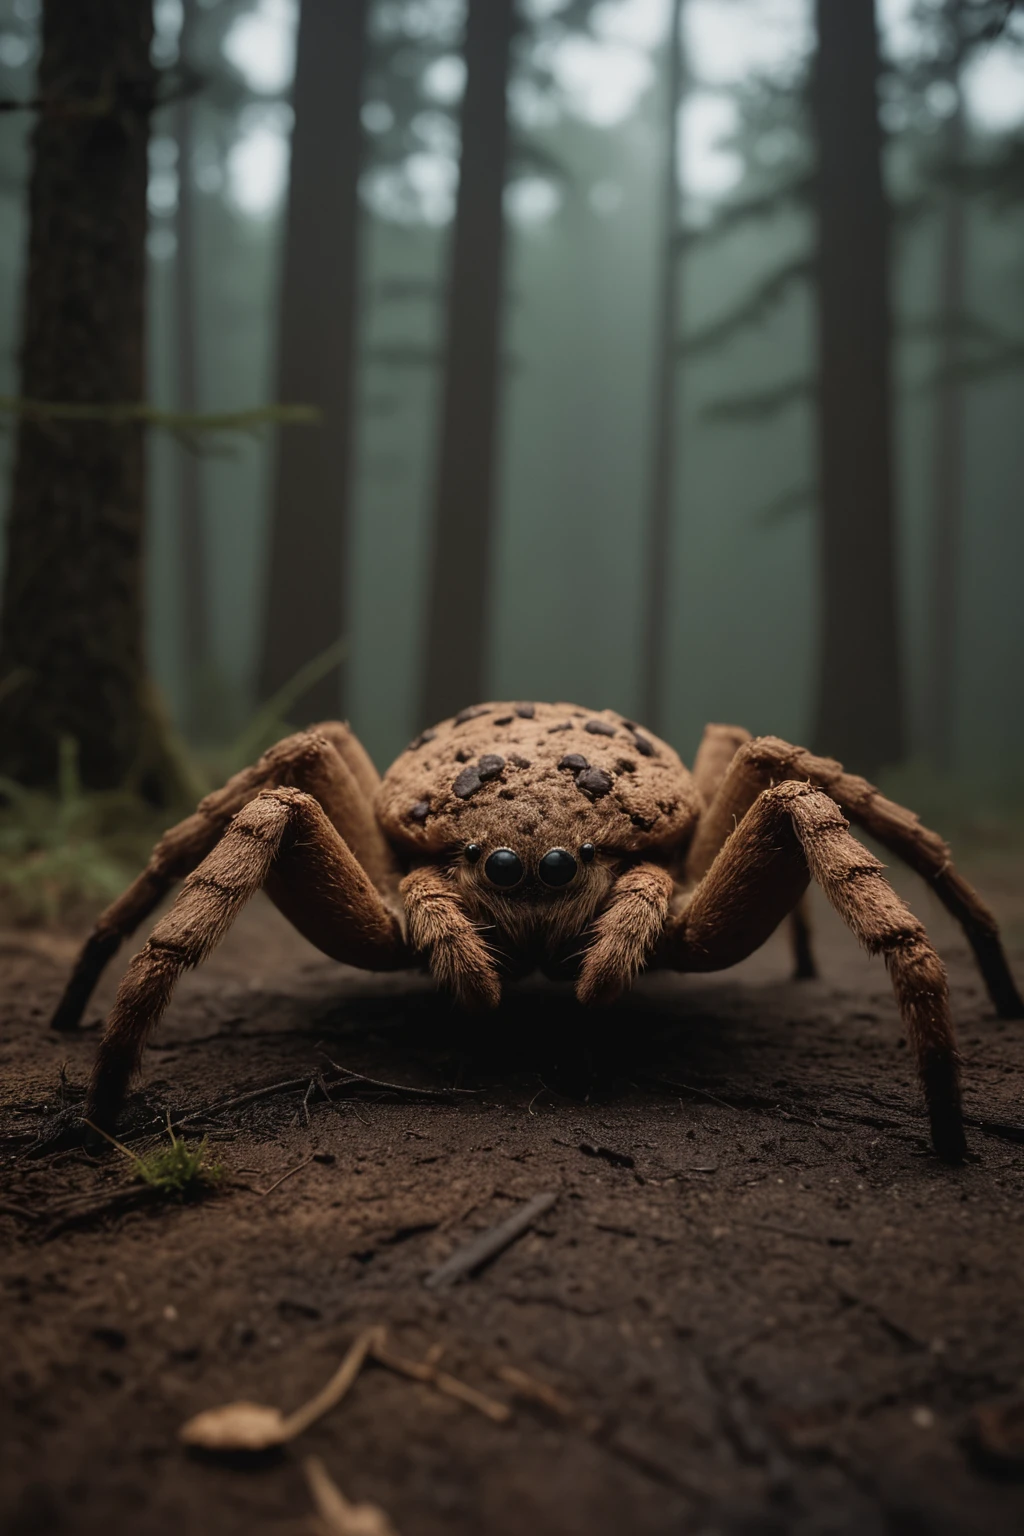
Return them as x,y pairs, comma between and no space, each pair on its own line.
252,1427
236,1427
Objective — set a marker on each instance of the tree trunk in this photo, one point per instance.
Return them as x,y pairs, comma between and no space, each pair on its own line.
309,538
665,426
71,643
947,468
195,623
859,714
465,486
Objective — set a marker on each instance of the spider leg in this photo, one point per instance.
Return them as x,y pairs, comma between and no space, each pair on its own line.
328,762
625,933
282,839
439,929
718,748
767,760
794,831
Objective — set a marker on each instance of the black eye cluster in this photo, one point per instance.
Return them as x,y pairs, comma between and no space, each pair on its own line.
504,868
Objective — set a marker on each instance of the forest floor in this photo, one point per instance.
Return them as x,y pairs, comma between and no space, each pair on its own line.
763,1305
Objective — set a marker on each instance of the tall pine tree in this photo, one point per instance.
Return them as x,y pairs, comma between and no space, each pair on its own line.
466,475
306,609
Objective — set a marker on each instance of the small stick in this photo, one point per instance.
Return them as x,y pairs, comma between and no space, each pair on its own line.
297,1169
473,1255
337,1517
538,1391
347,1075
366,1343
427,1371
6,1209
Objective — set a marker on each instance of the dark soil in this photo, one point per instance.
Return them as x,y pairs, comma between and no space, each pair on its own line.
768,1306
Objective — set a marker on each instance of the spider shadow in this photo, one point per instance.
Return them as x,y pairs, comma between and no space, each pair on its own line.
541,1039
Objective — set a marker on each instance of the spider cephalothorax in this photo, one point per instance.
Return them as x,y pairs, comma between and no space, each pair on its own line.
516,837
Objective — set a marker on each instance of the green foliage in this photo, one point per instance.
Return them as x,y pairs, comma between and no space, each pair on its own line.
74,850
270,722
63,855
182,1168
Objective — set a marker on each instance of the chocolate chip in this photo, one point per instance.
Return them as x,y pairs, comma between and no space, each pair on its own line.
625,765
594,781
642,821
517,761
526,711
599,728
463,755
420,811
574,761
566,727
505,720
472,713
421,740
643,746
506,794
467,783
489,766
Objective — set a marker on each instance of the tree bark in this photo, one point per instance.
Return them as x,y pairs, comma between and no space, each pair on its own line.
195,621
859,712
71,642
309,539
947,468
465,485
665,424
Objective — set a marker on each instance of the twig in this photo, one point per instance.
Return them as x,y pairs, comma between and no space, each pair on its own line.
130,412
78,1215
366,1343
427,1371
18,1211
348,1076
297,1169
475,1254
336,1516
243,1426
537,1391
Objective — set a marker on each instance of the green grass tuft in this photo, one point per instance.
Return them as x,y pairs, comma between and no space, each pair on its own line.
64,854
183,1168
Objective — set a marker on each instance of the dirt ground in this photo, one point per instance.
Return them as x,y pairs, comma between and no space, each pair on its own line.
765,1305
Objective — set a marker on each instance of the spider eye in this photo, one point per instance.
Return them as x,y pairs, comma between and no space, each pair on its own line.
587,853
473,852
504,868
557,867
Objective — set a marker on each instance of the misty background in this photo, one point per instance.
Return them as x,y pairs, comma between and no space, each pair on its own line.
585,216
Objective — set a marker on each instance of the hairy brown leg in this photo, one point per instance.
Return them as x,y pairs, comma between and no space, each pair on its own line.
791,832
281,839
625,933
717,749
352,752
767,760
324,766
439,929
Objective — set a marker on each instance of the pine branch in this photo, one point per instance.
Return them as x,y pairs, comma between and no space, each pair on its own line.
761,404
137,412
1005,359
772,291
766,204
785,506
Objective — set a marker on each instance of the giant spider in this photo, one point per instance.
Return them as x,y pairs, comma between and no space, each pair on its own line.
517,837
